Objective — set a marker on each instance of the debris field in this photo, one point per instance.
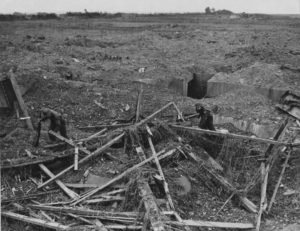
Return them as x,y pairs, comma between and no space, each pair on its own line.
134,157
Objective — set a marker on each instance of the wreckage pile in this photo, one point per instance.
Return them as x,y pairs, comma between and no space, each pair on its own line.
146,165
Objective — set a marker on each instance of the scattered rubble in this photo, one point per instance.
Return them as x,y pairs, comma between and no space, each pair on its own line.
134,158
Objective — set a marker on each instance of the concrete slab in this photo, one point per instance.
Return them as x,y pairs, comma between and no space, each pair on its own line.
265,79
260,130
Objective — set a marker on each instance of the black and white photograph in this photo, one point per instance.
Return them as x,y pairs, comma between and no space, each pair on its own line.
150,115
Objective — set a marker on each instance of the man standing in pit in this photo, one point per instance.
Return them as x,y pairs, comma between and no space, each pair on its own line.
206,118
57,124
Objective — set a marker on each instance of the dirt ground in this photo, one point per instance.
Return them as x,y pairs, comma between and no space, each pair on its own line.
78,64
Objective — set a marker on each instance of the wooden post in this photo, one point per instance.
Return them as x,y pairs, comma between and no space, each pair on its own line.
138,105
76,159
84,160
20,99
68,191
161,173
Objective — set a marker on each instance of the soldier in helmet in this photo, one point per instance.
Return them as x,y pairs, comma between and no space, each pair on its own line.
206,118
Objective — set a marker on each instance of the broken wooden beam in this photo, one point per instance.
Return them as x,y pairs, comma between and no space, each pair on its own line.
27,197
152,210
84,160
161,173
22,162
69,142
119,177
109,227
104,199
68,191
20,100
199,130
35,221
85,212
211,224
179,112
138,105
263,197
105,126
92,136
150,117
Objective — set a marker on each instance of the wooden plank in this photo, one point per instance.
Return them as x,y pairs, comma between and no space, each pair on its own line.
35,221
161,173
93,136
179,112
85,211
263,197
119,177
279,180
105,199
22,162
105,126
68,191
150,117
199,130
211,224
27,197
84,160
20,100
152,210
70,142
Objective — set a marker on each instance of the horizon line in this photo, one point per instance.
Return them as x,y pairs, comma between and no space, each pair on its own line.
158,12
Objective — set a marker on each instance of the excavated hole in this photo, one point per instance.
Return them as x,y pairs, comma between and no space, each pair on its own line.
197,87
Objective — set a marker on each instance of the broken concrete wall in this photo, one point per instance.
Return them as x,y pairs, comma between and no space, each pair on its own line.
265,79
179,85
260,130
216,88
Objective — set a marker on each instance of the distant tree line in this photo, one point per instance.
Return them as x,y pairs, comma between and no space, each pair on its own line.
209,10
20,16
87,14
45,16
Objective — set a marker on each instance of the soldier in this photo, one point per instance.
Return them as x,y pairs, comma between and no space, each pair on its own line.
206,118
57,123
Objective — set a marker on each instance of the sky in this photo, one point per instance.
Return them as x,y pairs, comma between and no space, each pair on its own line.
150,6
